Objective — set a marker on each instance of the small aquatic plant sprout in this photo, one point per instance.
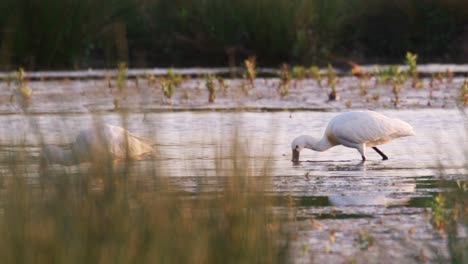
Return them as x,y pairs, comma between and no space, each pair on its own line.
314,72
210,86
298,72
174,78
223,86
121,76
167,88
464,93
386,75
365,240
283,88
359,130
250,69
411,61
22,86
137,81
150,79
332,80
396,93
108,80
376,96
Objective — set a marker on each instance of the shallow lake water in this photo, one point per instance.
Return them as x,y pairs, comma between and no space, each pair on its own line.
334,193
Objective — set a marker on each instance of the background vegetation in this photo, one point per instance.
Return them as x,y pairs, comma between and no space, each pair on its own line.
86,33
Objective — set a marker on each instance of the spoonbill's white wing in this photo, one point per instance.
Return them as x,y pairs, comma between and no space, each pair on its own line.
367,127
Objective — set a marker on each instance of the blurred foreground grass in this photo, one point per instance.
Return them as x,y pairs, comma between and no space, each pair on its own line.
107,215
450,211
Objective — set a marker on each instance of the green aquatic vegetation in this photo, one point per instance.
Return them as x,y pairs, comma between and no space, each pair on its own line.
332,81
150,79
137,81
389,74
167,88
375,96
449,75
348,104
174,78
298,72
223,86
243,88
22,87
116,103
284,75
186,95
108,80
250,69
210,86
411,62
314,72
464,93
439,212
121,76
363,87
365,240
396,93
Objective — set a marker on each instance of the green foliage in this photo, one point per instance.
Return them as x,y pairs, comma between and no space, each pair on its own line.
150,79
174,78
165,33
392,73
210,86
314,72
439,212
250,69
167,88
298,72
464,93
365,240
332,81
285,77
121,76
411,61
21,85
223,85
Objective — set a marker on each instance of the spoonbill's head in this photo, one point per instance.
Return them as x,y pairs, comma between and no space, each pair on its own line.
297,146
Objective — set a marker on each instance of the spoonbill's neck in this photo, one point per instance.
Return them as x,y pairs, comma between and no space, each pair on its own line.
317,145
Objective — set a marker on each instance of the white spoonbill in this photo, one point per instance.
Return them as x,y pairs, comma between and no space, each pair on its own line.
96,144
359,130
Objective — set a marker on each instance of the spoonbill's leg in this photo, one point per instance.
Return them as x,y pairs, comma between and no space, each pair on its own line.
384,157
362,150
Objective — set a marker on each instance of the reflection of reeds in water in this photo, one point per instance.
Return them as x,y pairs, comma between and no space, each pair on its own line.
110,215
